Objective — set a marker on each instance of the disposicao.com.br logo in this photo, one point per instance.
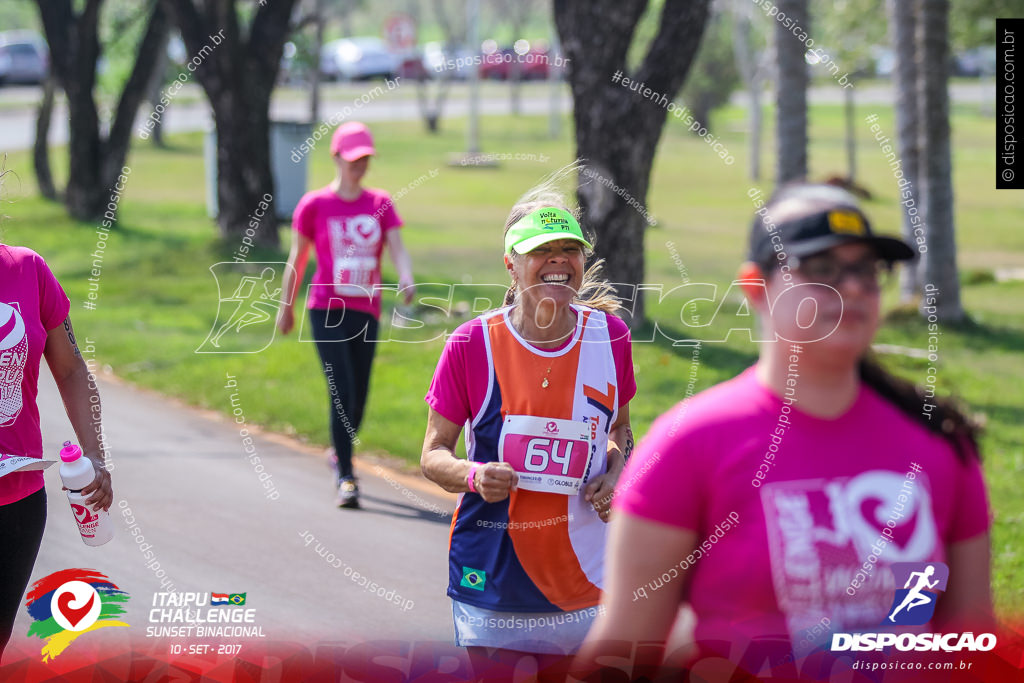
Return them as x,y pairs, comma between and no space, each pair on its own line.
70,603
917,591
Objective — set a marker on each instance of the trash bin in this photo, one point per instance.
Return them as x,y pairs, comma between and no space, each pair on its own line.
289,175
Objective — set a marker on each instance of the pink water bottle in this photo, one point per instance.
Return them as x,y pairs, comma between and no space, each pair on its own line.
77,472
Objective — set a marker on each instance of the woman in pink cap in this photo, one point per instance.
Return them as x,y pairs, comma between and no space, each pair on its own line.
34,324
348,225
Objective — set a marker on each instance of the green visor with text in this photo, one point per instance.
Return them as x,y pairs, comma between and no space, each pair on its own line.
541,226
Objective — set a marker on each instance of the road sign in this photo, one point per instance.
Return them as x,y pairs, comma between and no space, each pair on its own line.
400,32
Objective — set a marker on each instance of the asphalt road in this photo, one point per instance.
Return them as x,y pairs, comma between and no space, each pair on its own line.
196,498
17,117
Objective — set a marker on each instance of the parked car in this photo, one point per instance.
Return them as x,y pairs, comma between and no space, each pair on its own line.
975,63
412,65
23,57
357,59
456,63
534,61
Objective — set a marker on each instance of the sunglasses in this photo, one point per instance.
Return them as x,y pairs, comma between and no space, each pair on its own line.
872,273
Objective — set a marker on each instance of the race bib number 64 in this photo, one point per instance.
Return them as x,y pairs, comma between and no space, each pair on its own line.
549,455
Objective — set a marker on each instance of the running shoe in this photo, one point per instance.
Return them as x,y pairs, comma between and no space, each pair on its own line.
348,493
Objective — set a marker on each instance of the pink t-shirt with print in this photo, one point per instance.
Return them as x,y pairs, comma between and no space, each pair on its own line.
830,486
348,238
32,303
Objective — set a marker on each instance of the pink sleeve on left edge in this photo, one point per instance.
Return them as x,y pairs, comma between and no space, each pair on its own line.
303,218
54,304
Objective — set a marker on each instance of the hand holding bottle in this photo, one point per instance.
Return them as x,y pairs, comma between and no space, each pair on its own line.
80,477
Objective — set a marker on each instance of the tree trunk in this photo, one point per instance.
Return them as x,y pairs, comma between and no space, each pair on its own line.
314,83
431,109
238,77
756,116
902,20
74,44
515,78
851,136
617,130
41,146
747,65
75,49
938,265
791,94
155,90
243,165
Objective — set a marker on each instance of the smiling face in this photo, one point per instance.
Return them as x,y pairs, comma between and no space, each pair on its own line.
554,271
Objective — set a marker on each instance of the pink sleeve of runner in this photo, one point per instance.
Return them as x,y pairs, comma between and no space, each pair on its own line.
449,392
622,351
54,304
303,218
971,515
663,482
389,217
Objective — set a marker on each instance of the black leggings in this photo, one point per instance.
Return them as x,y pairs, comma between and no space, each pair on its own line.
21,532
346,342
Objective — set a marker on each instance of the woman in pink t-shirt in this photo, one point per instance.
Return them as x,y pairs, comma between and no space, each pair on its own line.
347,225
790,503
34,324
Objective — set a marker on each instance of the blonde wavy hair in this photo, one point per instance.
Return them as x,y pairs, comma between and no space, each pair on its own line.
595,291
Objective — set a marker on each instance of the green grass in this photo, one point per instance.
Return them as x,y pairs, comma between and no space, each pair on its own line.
158,298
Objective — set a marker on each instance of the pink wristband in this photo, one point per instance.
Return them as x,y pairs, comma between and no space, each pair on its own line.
472,473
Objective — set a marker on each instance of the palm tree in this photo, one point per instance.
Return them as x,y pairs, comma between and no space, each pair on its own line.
938,265
791,92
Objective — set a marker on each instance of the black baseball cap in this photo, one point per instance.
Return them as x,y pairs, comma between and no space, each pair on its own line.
818,231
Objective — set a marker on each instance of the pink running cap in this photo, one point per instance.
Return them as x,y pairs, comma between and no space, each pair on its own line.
352,141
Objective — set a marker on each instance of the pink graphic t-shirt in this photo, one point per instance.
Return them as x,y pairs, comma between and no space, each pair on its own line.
32,303
780,556
348,238
459,385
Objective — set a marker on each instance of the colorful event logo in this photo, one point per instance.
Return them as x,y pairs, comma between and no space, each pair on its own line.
914,604
69,603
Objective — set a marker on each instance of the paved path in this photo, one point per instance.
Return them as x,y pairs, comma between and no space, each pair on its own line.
196,499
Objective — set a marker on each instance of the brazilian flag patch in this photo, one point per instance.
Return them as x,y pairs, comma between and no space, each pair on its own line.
473,578
237,598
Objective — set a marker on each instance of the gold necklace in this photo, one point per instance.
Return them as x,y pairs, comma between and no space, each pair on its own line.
545,383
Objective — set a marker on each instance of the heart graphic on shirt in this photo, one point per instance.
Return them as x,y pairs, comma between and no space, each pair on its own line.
882,503
12,326
875,512
74,615
363,229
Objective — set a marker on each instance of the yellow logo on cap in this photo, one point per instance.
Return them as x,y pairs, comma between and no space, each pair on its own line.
846,223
